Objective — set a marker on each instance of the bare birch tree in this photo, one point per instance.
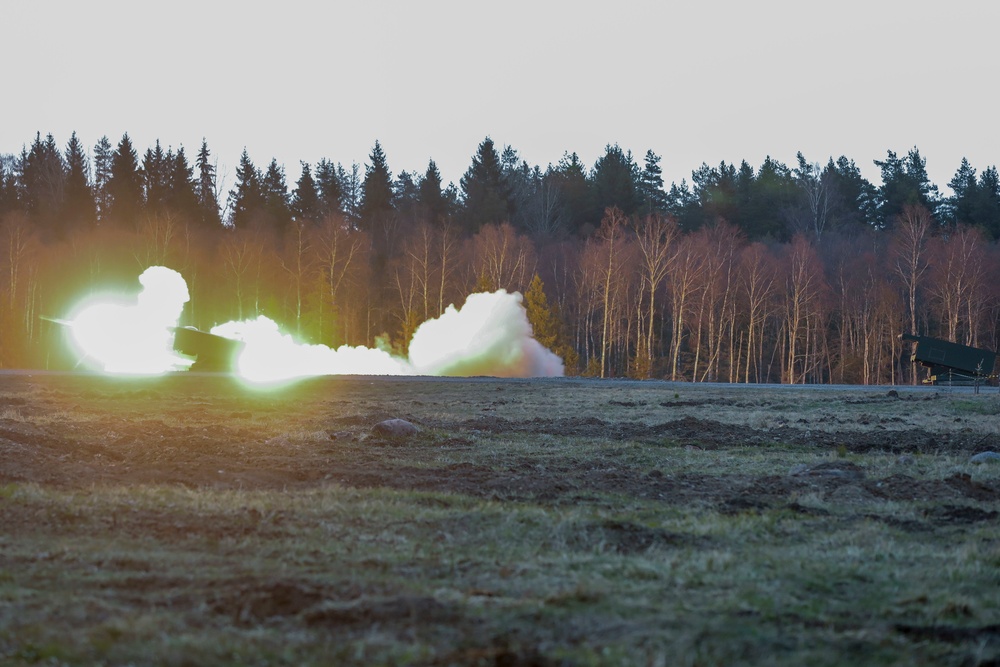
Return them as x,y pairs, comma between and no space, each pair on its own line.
340,248
908,249
655,236
683,276
757,282
803,282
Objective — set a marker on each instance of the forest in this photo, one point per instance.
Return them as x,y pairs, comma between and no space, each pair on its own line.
803,273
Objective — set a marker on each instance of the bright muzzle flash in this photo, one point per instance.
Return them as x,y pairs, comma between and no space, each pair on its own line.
489,335
133,336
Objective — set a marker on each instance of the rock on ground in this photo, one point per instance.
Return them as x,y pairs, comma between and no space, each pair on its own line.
985,457
395,428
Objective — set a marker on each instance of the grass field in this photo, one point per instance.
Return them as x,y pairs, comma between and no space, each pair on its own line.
187,520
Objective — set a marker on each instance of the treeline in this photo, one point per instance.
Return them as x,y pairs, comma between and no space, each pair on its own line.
805,273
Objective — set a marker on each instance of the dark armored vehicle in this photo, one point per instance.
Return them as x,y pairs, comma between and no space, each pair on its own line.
952,363
212,353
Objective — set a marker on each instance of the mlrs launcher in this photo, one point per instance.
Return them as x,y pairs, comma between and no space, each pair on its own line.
952,363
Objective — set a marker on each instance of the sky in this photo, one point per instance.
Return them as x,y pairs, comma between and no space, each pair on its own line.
694,82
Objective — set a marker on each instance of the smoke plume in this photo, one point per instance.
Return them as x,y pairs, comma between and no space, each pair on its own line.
489,335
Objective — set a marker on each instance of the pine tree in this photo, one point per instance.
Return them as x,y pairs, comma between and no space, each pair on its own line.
854,197
208,202
305,199
683,204
717,192
765,199
125,184
904,183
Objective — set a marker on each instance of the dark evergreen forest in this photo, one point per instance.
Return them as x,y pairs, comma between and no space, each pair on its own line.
744,273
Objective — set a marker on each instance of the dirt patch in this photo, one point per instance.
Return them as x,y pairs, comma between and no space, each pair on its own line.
256,602
366,612
903,487
950,633
712,434
625,537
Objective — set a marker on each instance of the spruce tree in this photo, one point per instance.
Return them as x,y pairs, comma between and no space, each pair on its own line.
406,195
376,191
351,186
125,184
305,199
103,156
42,183
615,184
204,189
155,179
8,187
959,208
246,198
378,212
651,185
276,200
433,204
485,194
546,325
79,209
329,188
573,187
986,211
182,198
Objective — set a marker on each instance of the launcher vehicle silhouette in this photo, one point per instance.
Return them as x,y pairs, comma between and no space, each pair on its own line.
212,353
951,363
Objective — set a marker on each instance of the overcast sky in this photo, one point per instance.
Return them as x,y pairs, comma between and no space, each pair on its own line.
300,80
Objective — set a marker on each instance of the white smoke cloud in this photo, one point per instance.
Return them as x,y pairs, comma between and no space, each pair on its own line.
271,356
490,335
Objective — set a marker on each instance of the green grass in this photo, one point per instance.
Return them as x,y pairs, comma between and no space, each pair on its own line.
980,405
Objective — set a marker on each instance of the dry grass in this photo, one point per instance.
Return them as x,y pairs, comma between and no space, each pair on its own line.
188,522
